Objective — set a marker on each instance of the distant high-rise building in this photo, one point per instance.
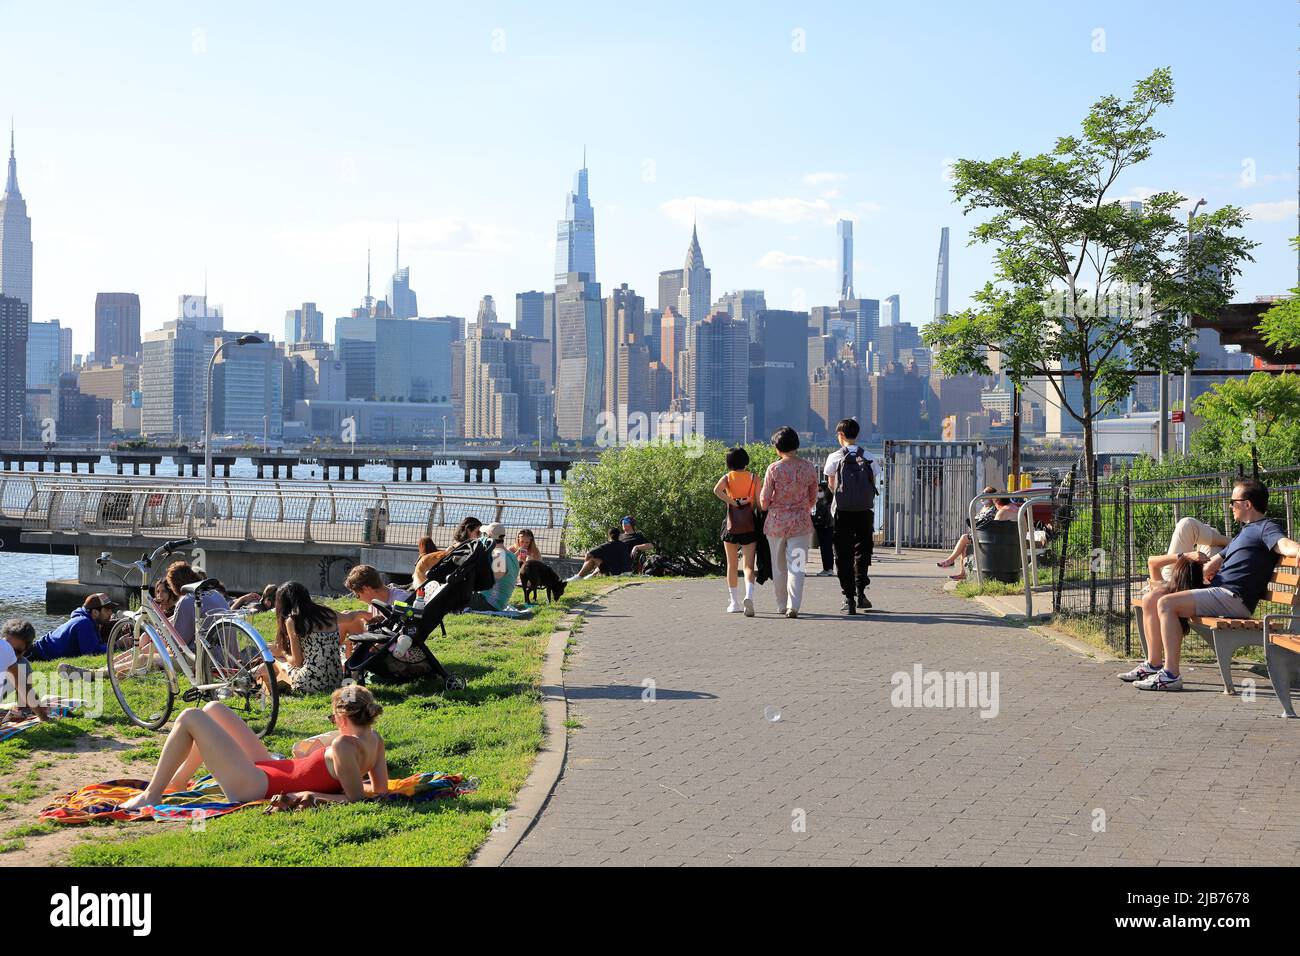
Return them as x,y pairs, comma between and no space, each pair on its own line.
15,238
941,276
173,379
65,350
580,365
304,325
897,396
401,297
535,314
893,339
248,390
889,311
670,287
844,243
778,372
862,316
117,326
743,305
627,358
505,396
395,359
840,389
13,365
43,347
672,342
696,294
719,376
575,238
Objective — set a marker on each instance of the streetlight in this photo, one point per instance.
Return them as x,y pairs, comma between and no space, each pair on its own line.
444,436
1187,372
745,419
99,431
266,431
207,425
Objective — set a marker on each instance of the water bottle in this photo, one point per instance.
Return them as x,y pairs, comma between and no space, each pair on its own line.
402,645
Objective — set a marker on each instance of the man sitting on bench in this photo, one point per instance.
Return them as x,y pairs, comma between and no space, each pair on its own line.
1235,580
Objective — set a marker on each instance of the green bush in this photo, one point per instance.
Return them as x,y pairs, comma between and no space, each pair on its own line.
667,488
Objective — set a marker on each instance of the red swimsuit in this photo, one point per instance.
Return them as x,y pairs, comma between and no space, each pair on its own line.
308,774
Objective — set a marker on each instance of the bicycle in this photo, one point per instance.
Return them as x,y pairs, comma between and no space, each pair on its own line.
228,660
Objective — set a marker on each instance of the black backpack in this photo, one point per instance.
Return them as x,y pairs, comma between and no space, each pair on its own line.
855,483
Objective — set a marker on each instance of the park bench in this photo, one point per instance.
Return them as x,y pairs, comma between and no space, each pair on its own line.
1227,635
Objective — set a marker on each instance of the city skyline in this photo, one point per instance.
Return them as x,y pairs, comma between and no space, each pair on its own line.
478,215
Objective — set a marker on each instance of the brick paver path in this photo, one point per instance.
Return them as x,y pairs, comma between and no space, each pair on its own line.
701,775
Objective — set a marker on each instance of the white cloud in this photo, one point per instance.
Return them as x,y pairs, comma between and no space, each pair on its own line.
824,178
731,211
776,261
443,235
869,206
1273,211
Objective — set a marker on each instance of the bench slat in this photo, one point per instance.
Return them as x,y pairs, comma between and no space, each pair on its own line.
1289,641
1229,623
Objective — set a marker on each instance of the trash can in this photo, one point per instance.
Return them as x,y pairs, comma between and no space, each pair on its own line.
999,544
375,521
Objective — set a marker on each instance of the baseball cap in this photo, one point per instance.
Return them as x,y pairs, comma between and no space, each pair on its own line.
97,601
493,531
627,519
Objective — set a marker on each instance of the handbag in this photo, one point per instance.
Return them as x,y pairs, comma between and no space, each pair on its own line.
740,518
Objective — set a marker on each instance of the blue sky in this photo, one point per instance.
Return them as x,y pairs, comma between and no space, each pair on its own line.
266,143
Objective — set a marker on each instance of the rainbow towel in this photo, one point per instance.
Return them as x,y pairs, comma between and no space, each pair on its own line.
59,707
204,798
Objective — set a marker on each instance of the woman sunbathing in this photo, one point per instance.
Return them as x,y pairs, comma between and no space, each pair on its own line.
333,771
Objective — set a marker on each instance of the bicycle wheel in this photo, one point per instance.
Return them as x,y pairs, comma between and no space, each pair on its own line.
138,676
242,680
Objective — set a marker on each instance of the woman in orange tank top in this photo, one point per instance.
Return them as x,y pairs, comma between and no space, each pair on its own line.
738,489
351,766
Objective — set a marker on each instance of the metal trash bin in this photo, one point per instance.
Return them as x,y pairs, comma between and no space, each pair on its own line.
999,544
375,521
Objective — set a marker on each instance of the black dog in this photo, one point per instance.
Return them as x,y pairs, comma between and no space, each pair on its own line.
536,574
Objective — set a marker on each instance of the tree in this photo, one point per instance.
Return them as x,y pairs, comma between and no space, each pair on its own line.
1084,287
1255,416
1280,325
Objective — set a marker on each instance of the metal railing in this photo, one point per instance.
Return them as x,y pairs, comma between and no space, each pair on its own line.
373,517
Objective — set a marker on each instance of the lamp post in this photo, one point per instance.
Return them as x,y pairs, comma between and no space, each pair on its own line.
266,433
99,432
207,425
444,436
1187,372
745,420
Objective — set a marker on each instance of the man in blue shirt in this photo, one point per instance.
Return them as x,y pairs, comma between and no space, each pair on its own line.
1235,580
80,634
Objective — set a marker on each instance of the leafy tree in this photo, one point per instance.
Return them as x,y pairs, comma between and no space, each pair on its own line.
1280,325
1256,415
667,488
1070,259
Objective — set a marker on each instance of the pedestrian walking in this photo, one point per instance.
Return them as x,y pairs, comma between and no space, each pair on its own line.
850,475
789,492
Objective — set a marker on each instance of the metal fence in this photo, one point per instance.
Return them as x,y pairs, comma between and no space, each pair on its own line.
324,515
928,486
1096,574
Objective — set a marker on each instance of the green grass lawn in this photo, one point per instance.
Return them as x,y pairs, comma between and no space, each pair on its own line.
491,730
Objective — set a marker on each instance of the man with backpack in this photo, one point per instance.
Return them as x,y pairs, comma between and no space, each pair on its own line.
852,482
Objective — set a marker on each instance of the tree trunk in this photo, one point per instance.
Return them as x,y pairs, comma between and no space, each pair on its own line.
1094,533
1015,430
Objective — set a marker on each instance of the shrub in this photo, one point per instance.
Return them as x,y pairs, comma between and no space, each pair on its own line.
667,488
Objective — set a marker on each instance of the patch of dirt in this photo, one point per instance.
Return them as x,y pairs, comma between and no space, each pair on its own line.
89,759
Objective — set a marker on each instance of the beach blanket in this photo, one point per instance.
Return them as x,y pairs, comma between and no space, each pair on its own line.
59,707
514,613
205,799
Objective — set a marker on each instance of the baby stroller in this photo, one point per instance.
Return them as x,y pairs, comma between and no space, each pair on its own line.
395,646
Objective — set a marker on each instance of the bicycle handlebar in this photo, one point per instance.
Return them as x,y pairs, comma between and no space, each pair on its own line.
146,562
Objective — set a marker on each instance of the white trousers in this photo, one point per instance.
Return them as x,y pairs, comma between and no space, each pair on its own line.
789,560
1193,535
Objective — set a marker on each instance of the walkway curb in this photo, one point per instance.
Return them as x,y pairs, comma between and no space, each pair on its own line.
509,830
1060,637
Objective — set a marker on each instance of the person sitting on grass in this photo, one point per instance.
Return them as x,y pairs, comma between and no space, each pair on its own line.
505,568
525,548
179,574
256,603
16,640
612,557
366,585
638,544
1235,580
1003,509
307,638
82,633
352,766
163,597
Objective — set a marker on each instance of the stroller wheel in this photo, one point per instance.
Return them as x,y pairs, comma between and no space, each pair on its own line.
455,682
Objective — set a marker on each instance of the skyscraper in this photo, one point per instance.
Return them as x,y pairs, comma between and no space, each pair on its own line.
889,311
43,359
248,390
672,342
173,370
580,365
575,236
13,365
401,298
941,276
304,325
696,292
117,326
670,287
743,305
205,317
778,371
719,376
627,358
505,396
844,237
15,238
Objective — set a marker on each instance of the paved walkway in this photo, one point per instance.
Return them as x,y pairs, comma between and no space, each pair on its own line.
702,775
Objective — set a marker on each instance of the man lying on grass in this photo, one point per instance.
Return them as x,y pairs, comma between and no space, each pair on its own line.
333,771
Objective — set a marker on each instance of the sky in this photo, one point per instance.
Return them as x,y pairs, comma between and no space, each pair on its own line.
264,146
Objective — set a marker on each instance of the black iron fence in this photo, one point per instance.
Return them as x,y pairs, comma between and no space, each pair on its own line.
1099,546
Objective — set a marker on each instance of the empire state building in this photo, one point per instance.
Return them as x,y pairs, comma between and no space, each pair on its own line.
15,238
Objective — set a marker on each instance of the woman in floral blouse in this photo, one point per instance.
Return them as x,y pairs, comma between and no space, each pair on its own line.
789,492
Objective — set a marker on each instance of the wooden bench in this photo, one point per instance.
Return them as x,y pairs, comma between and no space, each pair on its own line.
1227,635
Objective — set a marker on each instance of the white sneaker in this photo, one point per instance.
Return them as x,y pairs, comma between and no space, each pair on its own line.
572,578
733,607
1141,672
792,613
749,607
1161,681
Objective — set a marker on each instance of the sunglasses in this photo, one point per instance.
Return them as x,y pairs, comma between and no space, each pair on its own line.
1240,501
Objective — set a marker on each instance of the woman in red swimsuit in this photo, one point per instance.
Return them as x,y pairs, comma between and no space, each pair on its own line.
336,771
